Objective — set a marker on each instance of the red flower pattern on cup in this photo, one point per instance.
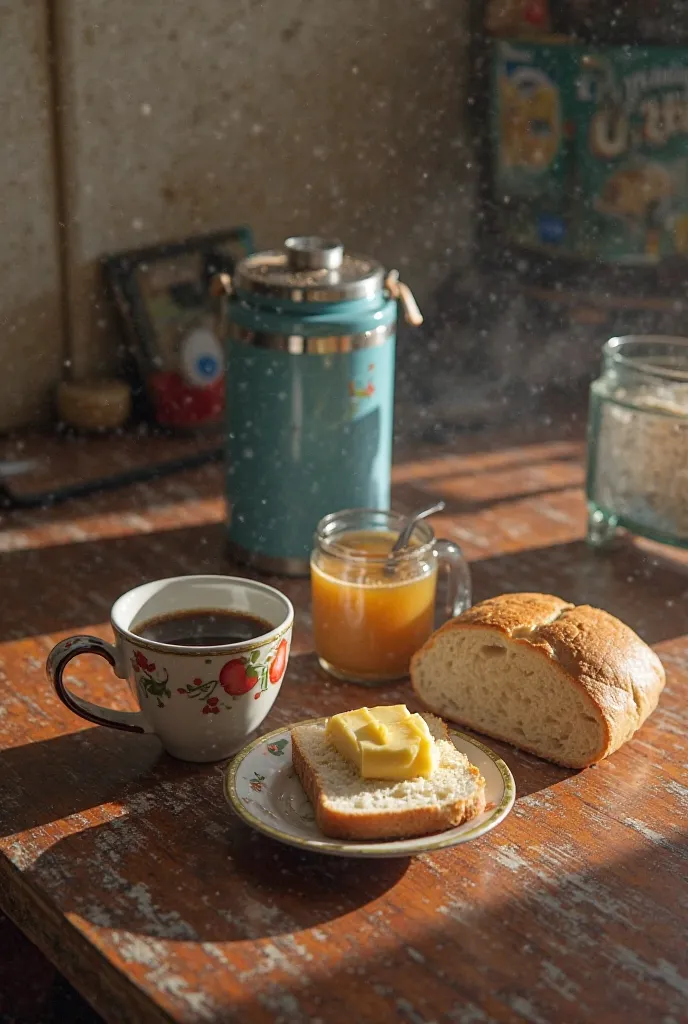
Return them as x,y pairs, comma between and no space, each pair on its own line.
237,677
151,685
142,662
279,662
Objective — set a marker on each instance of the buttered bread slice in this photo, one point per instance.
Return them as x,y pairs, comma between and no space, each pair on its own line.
348,806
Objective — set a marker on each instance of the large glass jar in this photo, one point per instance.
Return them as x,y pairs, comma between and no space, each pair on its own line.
638,441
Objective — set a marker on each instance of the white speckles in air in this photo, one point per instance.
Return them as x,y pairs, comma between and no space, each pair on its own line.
137,224
146,110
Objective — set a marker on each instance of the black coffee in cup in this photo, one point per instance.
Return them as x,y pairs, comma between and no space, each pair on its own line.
203,628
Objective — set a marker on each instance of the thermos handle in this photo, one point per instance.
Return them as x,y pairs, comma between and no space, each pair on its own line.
221,289
398,290
221,283
457,590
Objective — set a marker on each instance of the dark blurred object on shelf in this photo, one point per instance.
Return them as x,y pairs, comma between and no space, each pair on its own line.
171,354
661,22
39,471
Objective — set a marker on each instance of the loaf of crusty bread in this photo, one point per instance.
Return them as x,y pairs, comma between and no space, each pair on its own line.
570,684
349,807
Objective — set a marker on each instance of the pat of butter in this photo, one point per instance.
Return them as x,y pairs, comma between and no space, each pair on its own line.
386,742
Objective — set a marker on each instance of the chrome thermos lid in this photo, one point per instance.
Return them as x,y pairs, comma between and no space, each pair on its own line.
310,269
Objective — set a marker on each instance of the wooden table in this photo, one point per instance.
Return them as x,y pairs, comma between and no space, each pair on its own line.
128,870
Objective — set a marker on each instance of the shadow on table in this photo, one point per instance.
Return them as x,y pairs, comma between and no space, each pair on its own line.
211,879
156,850
50,780
645,589
589,934
513,936
409,496
177,864
64,587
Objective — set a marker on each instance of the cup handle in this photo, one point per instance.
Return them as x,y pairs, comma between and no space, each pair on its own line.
458,587
59,658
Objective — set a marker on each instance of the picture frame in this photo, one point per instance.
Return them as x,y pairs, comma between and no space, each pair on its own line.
170,351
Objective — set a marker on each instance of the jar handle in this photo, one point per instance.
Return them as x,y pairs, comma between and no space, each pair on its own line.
458,585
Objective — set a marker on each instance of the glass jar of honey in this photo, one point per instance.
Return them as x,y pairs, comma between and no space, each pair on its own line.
373,610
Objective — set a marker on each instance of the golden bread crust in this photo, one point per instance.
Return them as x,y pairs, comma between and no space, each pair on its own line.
591,649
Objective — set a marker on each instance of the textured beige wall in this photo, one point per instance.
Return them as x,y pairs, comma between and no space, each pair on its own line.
338,116
30,334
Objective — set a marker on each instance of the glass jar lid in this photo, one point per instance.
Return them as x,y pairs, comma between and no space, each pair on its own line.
310,269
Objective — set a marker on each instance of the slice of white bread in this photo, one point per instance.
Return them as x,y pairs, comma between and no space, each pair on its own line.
570,684
349,807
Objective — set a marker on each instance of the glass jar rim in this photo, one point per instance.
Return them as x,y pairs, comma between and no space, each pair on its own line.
327,530
619,351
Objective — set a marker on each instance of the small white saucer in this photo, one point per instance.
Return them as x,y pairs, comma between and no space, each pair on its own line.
262,787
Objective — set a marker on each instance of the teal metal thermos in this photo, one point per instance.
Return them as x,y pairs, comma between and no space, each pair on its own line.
310,395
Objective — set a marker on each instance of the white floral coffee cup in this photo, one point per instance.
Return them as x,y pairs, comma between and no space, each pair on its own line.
203,703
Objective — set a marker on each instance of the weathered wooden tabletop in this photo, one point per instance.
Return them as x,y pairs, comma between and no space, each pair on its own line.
132,875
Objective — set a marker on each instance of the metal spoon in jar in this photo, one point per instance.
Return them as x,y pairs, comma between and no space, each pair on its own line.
407,531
